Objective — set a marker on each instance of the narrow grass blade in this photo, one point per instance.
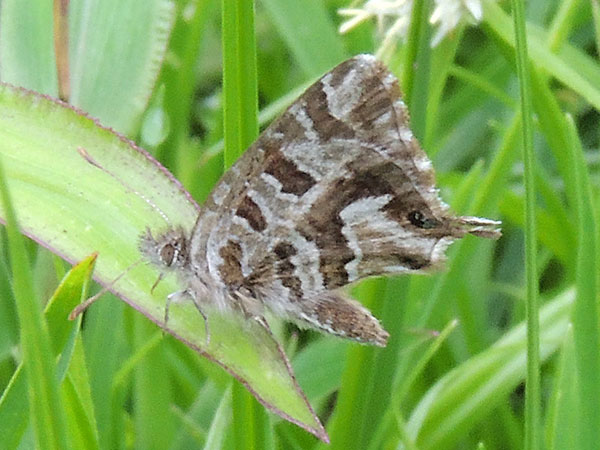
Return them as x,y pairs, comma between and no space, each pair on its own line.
14,412
221,420
459,400
586,325
240,125
314,43
77,397
393,421
348,429
563,421
45,404
239,78
570,65
151,391
532,385
178,77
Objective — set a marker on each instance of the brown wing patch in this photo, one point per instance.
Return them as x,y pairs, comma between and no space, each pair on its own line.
250,211
231,269
293,180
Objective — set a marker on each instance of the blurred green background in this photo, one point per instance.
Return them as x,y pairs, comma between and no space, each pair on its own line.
453,373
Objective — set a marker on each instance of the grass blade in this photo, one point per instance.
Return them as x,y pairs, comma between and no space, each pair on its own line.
26,47
45,403
359,380
240,95
463,397
314,43
586,326
221,420
532,392
240,125
116,51
14,412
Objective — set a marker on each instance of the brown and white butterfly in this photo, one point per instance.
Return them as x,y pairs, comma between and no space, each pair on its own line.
335,190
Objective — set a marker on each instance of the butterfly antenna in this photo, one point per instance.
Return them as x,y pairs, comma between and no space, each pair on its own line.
84,305
85,155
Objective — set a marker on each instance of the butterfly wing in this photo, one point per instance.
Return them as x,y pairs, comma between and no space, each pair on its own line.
336,190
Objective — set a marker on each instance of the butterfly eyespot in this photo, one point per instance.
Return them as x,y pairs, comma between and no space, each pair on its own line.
418,219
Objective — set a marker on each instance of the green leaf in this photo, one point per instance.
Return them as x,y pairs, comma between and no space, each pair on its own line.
220,422
454,404
77,398
26,47
314,43
73,208
586,325
240,127
47,411
14,412
564,415
360,379
532,384
569,65
239,79
319,367
70,292
116,50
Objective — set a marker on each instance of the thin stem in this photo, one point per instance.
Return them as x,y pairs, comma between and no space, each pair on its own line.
532,392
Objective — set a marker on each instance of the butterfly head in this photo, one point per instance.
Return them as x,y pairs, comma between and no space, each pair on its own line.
168,250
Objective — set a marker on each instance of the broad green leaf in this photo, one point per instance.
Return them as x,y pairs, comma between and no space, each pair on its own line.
115,53
73,208
26,45
117,49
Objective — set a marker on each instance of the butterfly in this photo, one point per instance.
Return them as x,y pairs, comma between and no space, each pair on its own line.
337,189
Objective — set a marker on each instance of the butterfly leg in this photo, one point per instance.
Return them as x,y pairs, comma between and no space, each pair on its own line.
205,317
180,296
252,309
